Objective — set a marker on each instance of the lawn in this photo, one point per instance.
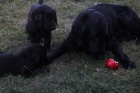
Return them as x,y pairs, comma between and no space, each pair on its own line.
71,73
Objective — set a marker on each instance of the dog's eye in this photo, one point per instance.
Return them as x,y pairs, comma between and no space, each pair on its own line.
38,17
46,19
97,39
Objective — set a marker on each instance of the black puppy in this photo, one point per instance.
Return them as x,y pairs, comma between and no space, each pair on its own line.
25,63
41,21
99,29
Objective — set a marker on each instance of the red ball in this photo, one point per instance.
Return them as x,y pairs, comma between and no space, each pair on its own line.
112,64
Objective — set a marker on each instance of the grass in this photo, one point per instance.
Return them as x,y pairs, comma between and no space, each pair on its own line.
71,73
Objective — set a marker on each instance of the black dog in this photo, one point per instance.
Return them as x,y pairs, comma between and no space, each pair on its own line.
25,63
41,21
99,29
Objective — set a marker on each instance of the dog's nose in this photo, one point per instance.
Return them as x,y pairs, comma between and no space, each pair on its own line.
53,27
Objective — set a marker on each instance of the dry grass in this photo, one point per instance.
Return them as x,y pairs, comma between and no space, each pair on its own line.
71,73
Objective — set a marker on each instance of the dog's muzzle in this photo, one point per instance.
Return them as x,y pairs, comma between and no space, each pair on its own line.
53,27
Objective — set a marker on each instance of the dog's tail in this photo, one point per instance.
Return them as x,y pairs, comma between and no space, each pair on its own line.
40,1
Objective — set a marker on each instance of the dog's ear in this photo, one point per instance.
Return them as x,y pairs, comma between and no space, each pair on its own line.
78,27
31,53
35,54
36,57
39,59
39,55
30,27
55,17
79,24
84,16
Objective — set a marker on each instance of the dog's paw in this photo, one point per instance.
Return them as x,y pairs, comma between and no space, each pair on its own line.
138,42
48,49
100,57
131,65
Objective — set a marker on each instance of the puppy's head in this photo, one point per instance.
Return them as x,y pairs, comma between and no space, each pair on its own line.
49,18
37,54
43,16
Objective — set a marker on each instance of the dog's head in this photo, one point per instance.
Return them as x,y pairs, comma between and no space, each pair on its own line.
36,54
41,21
42,16
49,18
90,30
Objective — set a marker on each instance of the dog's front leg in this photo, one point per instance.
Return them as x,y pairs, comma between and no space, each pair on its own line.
97,47
47,41
123,58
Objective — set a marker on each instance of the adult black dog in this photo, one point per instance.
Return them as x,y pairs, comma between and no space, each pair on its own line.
99,29
41,21
25,63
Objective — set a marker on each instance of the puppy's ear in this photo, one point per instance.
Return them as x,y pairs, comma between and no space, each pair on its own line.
55,17
31,53
30,27
36,57
39,56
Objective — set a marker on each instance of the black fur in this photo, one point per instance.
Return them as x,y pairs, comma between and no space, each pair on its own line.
25,63
99,29
41,21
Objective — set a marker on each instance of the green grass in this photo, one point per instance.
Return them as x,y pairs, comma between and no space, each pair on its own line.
71,73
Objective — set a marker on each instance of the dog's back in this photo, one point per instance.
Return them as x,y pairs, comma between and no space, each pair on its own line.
123,16
7,62
24,62
106,7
